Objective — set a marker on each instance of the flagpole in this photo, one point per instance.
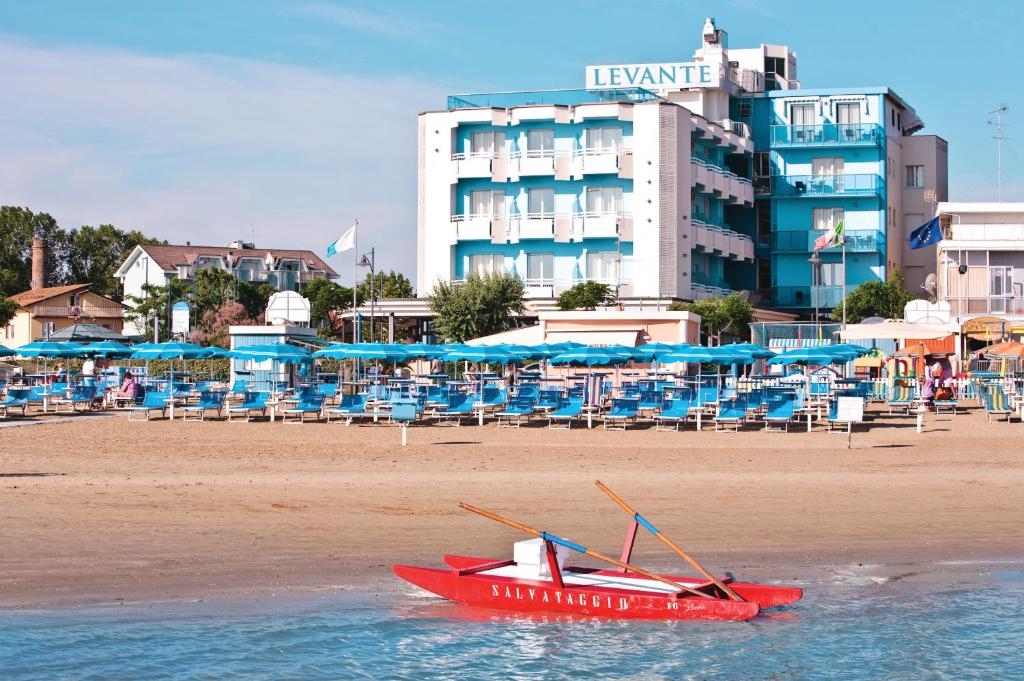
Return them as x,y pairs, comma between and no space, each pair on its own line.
355,275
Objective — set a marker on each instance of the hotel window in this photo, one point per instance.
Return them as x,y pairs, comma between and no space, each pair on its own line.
486,144
604,200
826,166
826,218
915,177
74,300
762,164
540,143
486,263
702,208
540,267
831,274
911,221
603,266
487,203
603,140
776,65
540,203
801,114
848,113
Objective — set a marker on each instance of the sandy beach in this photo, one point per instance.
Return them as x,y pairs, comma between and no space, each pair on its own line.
103,510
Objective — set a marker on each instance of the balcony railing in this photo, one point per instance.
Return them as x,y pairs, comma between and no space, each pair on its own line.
544,287
829,134
701,291
826,185
802,241
824,297
507,100
986,232
81,311
986,306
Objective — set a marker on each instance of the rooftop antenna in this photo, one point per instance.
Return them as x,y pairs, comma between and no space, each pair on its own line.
998,137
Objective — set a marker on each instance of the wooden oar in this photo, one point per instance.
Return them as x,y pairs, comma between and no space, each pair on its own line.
668,542
582,549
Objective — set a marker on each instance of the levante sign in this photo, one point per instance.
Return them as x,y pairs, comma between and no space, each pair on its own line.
653,76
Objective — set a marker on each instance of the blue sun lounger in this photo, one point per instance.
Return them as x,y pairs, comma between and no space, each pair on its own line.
350,408
153,401
571,408
674,410
781,410
81,396
211,400
307,405
623,410
519,407
459,406
251,402
17,398
731,413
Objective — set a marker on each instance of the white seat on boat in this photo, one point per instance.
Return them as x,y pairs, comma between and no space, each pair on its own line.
531,558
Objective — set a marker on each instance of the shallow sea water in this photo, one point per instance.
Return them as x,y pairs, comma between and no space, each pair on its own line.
963,626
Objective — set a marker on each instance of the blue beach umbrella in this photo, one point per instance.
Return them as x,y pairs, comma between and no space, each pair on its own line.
388,352
590,357
169,350
7,352
108,349
284,353
423,351
214,352
49,349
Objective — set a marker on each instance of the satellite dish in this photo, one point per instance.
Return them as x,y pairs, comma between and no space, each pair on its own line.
287,307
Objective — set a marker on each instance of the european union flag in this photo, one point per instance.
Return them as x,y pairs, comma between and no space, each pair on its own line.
926,235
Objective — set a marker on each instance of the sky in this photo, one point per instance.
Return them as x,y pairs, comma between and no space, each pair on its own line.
281,122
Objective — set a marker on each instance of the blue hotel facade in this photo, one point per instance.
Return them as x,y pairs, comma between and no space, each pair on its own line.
669,190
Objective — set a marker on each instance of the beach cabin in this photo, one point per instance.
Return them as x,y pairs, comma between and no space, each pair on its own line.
266,374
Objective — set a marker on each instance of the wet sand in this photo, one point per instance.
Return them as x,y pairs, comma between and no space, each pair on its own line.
103,510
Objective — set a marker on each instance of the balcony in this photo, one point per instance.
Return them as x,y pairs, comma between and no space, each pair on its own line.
827,135
802,241
702,291
570,97
826,297
722,241
986,232
536,226
78,311
600,161
992,305
797,186
473,227
602,225
711,179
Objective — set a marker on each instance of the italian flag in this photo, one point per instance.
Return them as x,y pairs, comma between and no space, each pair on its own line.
833,237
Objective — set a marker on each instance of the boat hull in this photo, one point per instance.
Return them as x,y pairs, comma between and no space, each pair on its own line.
538,596
765,595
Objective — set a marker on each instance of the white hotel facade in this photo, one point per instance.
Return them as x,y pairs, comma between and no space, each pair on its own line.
672,181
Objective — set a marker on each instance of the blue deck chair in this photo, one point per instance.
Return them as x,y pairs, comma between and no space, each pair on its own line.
239,387
996,403
306,406
781,410
82,396
153,401
328,391
731,413
624,410
531,390
900,398
549,399
519,407
16,398
570,409
251,402
351,407
650,400
211,400
674,410
180,391
459,405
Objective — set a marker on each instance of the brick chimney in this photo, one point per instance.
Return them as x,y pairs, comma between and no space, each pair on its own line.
38,263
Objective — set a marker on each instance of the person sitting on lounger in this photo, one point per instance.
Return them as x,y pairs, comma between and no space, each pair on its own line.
129,387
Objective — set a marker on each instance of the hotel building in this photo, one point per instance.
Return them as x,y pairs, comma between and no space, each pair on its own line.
675,181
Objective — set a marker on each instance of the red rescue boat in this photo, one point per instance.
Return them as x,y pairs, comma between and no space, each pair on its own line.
537,581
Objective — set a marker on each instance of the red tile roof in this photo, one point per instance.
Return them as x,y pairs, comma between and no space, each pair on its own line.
169,257
37,295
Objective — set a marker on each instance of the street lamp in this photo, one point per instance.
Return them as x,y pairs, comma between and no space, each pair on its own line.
369,261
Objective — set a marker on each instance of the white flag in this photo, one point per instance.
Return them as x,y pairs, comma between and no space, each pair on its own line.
346,242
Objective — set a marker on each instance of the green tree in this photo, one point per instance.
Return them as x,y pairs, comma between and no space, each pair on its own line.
157,300
254,297
8,308
586,295
212,288
325,296
95,253
385,285
721,317
479,306
17,227
876,299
